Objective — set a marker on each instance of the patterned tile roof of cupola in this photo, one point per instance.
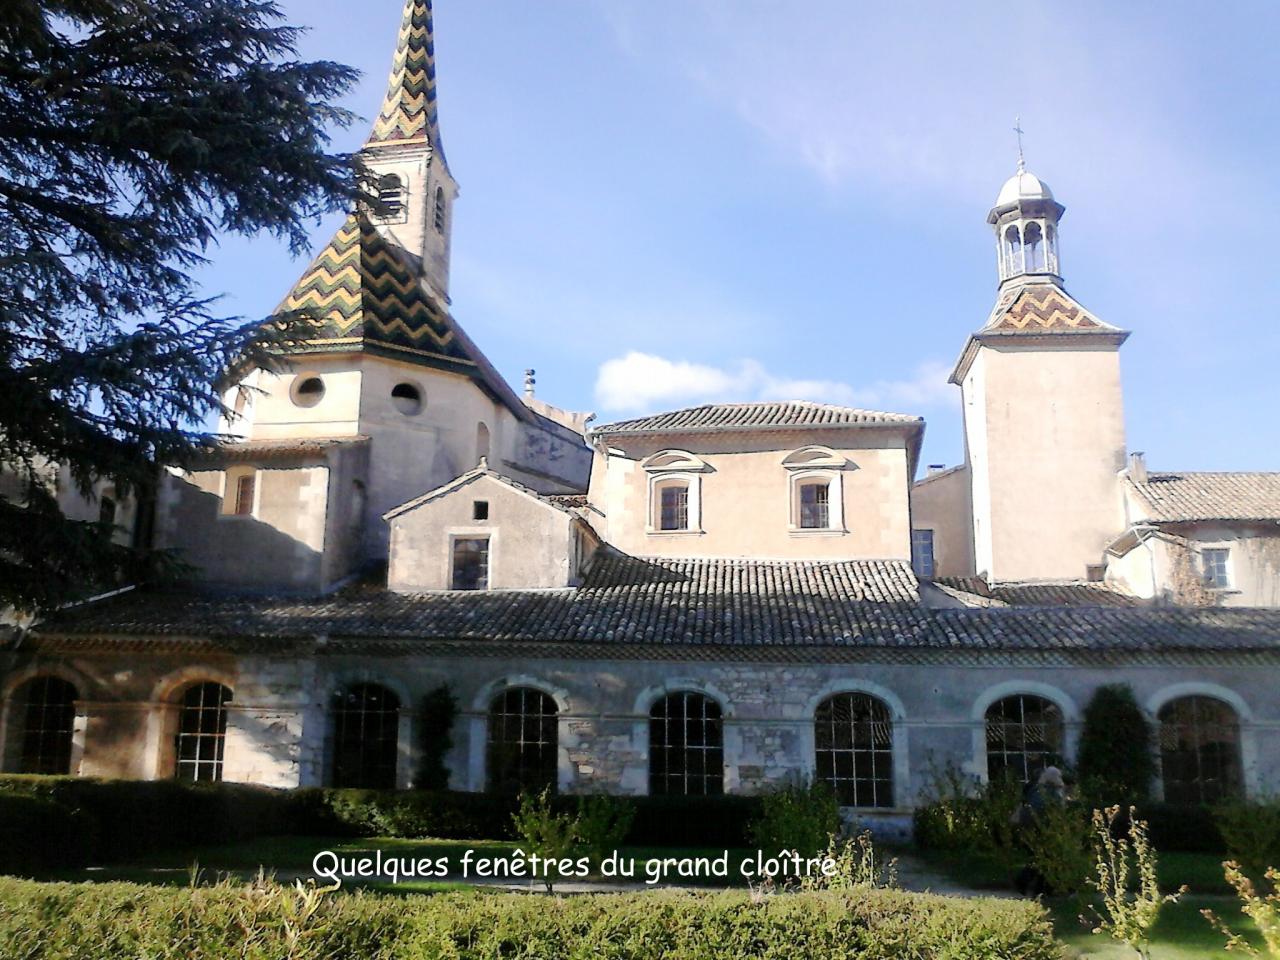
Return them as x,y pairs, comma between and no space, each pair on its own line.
363,292
1042,308
408,112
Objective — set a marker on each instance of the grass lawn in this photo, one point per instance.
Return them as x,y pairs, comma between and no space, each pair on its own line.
1181,933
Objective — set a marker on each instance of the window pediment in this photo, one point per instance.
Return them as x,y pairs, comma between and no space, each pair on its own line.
669,461
808,458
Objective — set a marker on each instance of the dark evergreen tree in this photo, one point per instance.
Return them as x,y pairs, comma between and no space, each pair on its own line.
1116,761
132,134
439,711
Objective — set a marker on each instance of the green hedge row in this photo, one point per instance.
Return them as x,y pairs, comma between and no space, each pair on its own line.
86,922
49,822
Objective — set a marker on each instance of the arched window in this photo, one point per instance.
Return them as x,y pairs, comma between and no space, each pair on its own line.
1199,750
671,504
366,734
686,745
202,732
482,442
1032,241
524,740
440,212
391,195
43,712
1051,249
853,739
1012,250
1024,735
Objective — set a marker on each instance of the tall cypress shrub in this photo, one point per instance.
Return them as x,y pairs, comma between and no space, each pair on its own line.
1116,762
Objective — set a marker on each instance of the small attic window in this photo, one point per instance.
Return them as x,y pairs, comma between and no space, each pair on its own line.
308,391
480,510
406,398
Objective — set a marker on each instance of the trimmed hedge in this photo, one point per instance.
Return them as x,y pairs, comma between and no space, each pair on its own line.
87,922
49,822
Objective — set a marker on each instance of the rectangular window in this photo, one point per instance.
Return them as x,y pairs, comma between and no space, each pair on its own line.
244,495
471,564
674,508
1217,567
922,552
480,510
815,512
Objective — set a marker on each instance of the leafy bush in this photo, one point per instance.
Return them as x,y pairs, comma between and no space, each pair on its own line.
963,814
439,712
406,813
857,865
1262,909
693,821
1058,847
602,825
76,922
1187,828
1116,761
1125,868
797,817
1251,830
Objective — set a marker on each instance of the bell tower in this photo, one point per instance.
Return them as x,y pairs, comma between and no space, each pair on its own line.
405,153
1043,410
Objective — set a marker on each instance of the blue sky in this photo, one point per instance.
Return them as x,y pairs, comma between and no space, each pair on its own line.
674,201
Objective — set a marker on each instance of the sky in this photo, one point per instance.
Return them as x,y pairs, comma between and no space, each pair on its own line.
671,202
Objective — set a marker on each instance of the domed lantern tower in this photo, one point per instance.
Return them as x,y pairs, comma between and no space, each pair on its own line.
1043,410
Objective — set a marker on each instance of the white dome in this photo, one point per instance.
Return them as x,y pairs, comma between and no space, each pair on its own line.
1023,186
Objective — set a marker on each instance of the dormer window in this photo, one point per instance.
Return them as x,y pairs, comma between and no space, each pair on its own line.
815,505
673,505
675,491
816,489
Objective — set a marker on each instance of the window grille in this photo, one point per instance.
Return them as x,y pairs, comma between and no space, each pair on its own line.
524,741
1024,735
366,735
815,511
47,709
853,737
686,745
202,732
1199,750
674,507
471,563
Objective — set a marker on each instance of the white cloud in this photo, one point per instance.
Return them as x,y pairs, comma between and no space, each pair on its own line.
639,381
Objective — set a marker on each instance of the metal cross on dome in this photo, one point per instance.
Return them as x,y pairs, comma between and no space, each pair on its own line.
1017,128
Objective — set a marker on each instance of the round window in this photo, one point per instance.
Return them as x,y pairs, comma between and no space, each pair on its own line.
308,391
407,398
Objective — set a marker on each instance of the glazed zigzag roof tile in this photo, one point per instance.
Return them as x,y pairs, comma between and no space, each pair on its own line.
1041,307
361,288
409,109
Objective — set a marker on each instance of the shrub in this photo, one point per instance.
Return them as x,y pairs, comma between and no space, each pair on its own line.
797,817
966,815
1058,847
693,821
439,711
856,866
1130,904
77,922
406,813
1251,830
1262,909
1184,827
543,830
602,825
1116,761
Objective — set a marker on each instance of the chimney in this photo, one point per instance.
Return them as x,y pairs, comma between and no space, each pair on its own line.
529,381
936,468
1138,467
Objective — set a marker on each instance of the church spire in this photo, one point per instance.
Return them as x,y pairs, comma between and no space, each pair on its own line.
408,114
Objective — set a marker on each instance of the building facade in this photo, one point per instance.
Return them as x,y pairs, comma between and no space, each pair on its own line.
704,601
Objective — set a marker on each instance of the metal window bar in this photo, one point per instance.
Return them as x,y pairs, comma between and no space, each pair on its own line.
1199,750
853,737
686,746
366,734
1024,735
523,741
48,712
202,732
471,564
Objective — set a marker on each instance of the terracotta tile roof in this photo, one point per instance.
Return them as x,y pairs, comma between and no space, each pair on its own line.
1180,497
783,415
635,604
1037,594
481,471
572,501
271,449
